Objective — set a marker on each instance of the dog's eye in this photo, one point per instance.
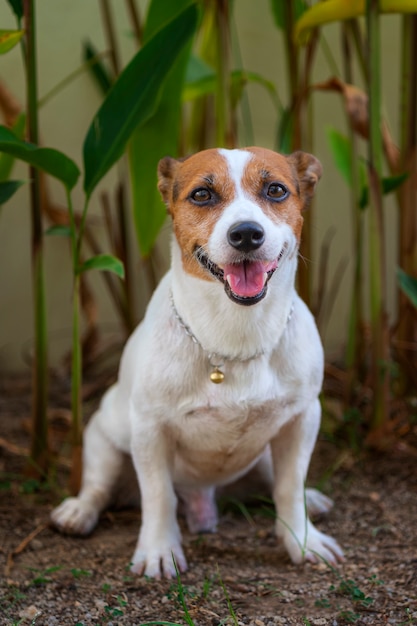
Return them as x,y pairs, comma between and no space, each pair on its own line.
201,195
276,191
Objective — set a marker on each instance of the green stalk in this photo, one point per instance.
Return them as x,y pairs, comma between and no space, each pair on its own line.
292,53
76,387
406,332
380,371
128,315
304,113
39,444
135,20
210,112
108,22
76,365
353,347
222,96
297,90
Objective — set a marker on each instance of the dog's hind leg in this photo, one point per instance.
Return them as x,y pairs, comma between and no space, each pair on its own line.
200,509
317,502
102,462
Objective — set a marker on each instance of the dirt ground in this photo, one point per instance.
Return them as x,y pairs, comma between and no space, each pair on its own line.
237,576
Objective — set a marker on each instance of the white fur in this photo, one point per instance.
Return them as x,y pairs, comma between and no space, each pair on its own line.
187,435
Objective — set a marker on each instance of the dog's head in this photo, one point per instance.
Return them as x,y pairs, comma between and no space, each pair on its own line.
237,214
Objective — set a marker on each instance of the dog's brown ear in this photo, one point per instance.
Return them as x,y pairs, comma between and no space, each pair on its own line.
309,170
166,173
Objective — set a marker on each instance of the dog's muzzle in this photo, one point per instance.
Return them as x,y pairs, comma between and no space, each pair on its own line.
245,281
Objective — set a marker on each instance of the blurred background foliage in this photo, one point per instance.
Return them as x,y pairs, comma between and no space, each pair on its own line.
335,78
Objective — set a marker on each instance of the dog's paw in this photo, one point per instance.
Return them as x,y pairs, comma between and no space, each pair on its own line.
317,503
158,561
75,517
314,547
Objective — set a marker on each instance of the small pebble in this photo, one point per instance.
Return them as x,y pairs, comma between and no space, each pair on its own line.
30,612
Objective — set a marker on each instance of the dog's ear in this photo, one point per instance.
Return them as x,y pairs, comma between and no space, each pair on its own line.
309,170
167,168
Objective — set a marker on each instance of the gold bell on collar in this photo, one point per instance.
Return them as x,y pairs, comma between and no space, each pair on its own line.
217,376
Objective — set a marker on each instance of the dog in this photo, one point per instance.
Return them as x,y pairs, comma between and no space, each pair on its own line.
223,374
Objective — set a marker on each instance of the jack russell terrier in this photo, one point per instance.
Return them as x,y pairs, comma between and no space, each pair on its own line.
224,371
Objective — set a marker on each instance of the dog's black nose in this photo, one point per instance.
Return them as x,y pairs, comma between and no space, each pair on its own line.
246,236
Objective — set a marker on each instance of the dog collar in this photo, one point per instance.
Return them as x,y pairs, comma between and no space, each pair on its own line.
217,361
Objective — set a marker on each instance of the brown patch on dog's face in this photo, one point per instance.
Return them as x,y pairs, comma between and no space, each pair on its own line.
270,181
198,189
184,186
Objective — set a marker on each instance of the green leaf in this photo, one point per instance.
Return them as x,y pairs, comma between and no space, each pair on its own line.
9,39
104,263
48,160
59,230
363,183
134,96
197,69
339,10
239,80
6,160
159,136
8,189
17,8
408,284
200,79
388,183
204,84
341,151
391,183
285,131
278,8
97,68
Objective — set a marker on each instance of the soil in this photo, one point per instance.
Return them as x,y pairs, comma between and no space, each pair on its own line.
238,575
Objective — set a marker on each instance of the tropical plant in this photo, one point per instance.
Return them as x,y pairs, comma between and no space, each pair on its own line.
189,98
364,117
130,102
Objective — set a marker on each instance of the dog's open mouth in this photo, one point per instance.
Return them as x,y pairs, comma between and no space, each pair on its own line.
245,282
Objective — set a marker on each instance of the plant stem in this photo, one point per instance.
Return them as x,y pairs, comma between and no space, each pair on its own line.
76,387
39,444
353,347
135,20
76,365
222,101
62,84
406,332
298,89
292,53
380,353
110,35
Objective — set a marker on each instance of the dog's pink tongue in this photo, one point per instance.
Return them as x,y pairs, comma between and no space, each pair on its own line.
247,279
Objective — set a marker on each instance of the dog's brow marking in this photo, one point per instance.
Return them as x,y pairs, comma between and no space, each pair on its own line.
209,180
175,191
237,161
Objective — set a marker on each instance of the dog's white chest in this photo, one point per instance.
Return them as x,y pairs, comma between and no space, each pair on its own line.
214,443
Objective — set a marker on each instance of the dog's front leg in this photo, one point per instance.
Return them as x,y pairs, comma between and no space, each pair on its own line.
159,538
291,452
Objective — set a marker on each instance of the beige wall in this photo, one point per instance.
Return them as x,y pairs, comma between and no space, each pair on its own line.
64,121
